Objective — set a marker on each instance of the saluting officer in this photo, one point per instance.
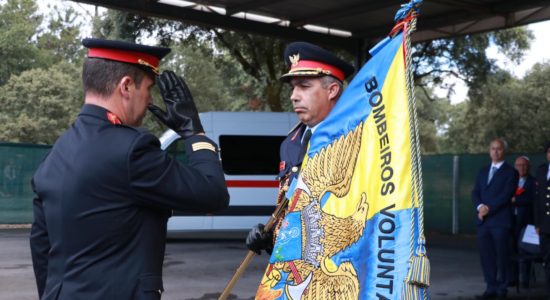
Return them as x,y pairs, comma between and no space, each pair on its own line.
316,77
106,189
542,211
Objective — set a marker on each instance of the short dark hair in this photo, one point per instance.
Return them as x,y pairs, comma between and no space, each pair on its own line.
101,76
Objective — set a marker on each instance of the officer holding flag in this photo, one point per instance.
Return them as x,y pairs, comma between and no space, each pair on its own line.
316,77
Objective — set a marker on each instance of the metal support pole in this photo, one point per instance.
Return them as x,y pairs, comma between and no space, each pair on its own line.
456,190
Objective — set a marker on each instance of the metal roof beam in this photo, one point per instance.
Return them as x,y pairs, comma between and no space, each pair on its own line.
208,19
423,24
476,8
249,6
344,12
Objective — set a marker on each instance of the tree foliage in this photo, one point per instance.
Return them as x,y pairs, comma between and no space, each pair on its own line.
18,23
465,57
261,58
60,40
39,104
515,109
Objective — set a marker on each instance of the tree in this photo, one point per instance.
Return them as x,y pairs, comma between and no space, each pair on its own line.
39,104
18,24
432,119
202,74
60,41
504,106
465,57
261,58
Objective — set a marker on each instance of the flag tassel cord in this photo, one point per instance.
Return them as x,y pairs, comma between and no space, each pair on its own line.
418,277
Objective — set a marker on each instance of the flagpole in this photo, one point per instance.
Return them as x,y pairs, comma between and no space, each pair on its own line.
240,270
244,264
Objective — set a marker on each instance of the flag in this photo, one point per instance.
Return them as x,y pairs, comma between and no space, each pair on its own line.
354,224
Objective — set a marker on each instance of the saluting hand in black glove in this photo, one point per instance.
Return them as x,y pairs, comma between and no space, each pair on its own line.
258,240
181,113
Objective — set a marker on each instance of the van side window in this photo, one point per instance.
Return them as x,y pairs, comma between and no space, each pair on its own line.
250,154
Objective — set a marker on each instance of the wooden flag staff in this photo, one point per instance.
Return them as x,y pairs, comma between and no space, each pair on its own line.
244,264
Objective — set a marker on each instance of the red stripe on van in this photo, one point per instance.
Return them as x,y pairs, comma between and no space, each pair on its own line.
253,183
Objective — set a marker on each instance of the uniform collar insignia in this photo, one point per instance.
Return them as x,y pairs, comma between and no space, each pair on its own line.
113,118
294,59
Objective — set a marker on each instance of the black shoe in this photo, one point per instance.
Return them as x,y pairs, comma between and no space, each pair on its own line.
501,296
525,285
512,283
486,296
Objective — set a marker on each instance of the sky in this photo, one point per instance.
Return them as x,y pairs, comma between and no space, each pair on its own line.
539,52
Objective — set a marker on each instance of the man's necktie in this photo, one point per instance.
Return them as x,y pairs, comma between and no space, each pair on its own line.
305,141
491,173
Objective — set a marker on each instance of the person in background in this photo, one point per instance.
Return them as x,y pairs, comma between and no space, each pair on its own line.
494,188
542,211
522,205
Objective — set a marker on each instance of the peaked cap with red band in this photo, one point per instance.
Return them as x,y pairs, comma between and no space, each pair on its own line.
306,59
146,56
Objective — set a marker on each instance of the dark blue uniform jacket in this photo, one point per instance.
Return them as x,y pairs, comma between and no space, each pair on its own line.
103,197
542,200
497,195
290,151
524,204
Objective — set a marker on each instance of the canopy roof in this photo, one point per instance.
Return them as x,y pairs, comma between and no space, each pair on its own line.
348,24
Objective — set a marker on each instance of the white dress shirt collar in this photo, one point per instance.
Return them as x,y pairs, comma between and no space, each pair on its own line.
497,165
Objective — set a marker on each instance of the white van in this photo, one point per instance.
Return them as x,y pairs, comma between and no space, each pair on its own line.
249,148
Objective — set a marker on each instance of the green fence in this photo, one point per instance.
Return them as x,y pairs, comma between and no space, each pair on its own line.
17,165
448,181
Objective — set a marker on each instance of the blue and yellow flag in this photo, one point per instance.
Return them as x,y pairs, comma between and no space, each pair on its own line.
352,230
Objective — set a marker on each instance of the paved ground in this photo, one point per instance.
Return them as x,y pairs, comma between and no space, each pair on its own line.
200,269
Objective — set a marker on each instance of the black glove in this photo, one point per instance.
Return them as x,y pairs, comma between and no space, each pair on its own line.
258,240
181,113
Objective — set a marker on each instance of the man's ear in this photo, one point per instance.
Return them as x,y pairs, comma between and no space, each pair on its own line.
333,91
125,86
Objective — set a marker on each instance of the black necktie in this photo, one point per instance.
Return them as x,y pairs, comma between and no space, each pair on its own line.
305,141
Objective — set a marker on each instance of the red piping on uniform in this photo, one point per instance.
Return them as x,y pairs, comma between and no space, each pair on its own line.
252,183
294,136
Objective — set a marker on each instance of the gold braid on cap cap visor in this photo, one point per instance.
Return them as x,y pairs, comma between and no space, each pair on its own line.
154,69
309,71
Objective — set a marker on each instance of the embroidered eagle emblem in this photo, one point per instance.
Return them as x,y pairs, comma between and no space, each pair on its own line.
316,275
294,59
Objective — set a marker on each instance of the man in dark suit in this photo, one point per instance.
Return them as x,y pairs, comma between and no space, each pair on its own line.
522,205
316,77
542,211
105,190
494,188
